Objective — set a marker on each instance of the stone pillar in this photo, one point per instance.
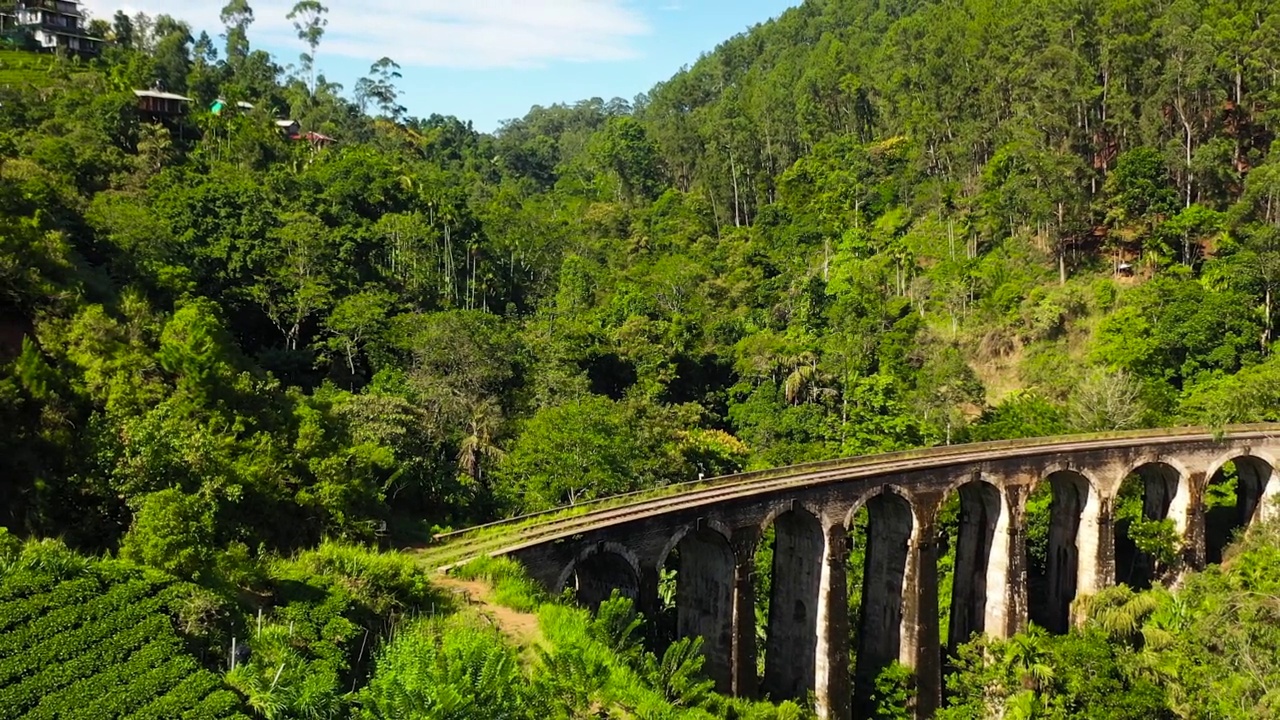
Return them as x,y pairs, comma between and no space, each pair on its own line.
831,686
1096,545
980,569
1017,605
889,595
791,649
1256,489
1269,501
746,683
704,601
997,614
647,601
1189,521
1070,497
921,642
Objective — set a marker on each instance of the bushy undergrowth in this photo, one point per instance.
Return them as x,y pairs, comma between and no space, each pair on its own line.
1209,650
588,666
331,609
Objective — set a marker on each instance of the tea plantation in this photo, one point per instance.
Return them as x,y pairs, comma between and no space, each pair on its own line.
97,641
19,68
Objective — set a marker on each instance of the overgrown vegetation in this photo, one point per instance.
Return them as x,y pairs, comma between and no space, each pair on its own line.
862,227
590,666
1207,650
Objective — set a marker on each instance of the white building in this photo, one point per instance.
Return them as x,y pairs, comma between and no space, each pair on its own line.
56,25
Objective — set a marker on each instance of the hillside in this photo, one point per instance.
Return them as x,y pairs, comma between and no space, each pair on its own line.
865,226
20,69
418,322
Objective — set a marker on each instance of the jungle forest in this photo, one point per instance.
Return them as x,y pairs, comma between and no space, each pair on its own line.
256,350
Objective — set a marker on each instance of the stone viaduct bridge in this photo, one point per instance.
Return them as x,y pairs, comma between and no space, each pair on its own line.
712,529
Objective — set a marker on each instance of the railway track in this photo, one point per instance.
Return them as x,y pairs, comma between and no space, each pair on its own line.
510,535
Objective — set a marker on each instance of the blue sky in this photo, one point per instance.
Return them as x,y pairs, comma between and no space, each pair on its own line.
490,60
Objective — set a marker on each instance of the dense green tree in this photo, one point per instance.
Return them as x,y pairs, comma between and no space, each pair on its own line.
579,451
237,17
172,531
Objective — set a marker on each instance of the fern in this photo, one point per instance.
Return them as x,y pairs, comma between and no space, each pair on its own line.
679,674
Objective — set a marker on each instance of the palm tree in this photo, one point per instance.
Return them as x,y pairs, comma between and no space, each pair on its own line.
1026,659
478,447
1025,705
805,383
679,674
1120,612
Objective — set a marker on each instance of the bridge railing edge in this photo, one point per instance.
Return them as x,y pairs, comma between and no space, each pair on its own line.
940,451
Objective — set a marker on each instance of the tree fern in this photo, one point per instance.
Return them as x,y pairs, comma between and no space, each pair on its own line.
679,674
617,625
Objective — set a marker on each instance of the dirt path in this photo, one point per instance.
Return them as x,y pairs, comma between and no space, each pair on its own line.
475,595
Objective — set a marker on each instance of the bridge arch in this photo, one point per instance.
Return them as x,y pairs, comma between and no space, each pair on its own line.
1055,558
703,561
1239,488
686,529
1154,489
892,525
599,570
897,491
1174,491
778,509
795,577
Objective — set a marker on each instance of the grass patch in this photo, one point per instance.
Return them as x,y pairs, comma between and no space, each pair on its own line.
512,588
20,68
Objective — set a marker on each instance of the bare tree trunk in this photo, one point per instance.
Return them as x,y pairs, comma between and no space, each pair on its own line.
1266,330
1061,246
1190,174
733,172
1180,106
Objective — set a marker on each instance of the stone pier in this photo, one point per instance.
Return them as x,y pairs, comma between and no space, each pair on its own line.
704,600
790,669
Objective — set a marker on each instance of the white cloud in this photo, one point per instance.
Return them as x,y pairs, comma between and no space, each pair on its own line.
435,33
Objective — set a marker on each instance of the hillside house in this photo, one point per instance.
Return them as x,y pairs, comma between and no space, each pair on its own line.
53,25
160,105
317,140
292,130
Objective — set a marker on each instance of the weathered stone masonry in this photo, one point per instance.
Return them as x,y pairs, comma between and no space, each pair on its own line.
807,650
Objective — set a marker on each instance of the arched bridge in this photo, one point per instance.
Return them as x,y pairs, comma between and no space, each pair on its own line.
898,504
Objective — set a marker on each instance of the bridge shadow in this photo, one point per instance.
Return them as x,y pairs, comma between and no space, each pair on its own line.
876,589
1053,514
1232,501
